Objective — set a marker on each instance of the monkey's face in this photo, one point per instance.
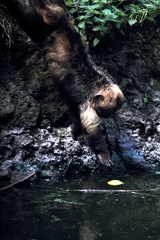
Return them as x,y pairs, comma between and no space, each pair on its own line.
107,100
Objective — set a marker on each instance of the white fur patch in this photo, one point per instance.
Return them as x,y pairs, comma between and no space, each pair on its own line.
89,118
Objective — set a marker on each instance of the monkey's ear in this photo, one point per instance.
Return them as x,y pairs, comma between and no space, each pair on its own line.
98,98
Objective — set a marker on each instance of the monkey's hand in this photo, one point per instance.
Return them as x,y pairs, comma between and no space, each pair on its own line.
105,159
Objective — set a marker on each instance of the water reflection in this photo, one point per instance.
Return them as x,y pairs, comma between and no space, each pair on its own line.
45,211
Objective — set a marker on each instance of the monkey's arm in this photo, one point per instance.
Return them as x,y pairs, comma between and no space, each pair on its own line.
92,130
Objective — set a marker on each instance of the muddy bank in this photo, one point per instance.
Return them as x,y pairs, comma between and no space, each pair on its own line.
53,154
31,108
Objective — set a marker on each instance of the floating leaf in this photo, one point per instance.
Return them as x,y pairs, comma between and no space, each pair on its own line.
115,182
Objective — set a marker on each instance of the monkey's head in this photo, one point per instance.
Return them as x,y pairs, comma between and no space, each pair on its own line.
108,100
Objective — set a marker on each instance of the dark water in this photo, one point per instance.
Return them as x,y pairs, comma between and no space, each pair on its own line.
46,211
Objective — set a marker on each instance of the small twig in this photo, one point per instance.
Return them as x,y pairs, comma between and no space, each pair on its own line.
18,182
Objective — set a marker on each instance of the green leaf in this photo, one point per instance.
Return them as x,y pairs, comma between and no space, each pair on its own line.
97,28
68,3
134,7
81,17
119,12
88,15
96,41
145,98
107,12
73,10
99,20
132,21
157,172
95,6
81,25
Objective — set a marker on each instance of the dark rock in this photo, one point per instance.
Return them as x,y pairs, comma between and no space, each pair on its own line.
6,107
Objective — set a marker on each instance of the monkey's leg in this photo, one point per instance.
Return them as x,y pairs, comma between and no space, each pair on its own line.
76,127
93,135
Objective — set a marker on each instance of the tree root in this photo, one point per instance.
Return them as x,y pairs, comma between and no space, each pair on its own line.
18,182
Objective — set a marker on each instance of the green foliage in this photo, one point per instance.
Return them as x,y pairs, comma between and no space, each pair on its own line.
145,98
95,18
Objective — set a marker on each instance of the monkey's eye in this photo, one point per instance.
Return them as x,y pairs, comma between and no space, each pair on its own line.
98,98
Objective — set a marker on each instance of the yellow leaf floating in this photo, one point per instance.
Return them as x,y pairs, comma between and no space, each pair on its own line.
115,182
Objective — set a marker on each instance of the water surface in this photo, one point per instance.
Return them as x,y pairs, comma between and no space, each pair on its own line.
46,211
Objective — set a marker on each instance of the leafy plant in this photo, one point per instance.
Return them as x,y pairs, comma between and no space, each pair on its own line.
95,18
146,98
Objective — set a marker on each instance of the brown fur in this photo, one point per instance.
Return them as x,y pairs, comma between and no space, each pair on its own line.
61,46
